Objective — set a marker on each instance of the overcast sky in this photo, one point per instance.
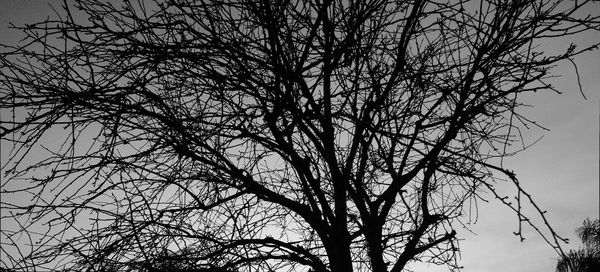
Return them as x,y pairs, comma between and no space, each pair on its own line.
561,171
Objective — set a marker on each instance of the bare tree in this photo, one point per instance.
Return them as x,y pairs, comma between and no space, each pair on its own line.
267,135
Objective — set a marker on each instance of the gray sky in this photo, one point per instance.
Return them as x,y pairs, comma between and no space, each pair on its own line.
561,171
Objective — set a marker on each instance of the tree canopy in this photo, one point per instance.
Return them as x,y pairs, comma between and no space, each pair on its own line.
281,135
586,259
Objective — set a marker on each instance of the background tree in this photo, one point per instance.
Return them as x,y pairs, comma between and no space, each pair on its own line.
587,258
267,135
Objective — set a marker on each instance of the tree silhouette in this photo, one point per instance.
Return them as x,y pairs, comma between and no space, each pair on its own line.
586,259
267,135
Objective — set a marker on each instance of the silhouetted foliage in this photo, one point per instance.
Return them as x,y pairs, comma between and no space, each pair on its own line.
268,135
586,259
589,233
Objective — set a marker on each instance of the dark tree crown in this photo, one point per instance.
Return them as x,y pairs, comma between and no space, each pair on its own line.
295,135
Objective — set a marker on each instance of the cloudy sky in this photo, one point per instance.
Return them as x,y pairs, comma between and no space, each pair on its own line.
561,171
